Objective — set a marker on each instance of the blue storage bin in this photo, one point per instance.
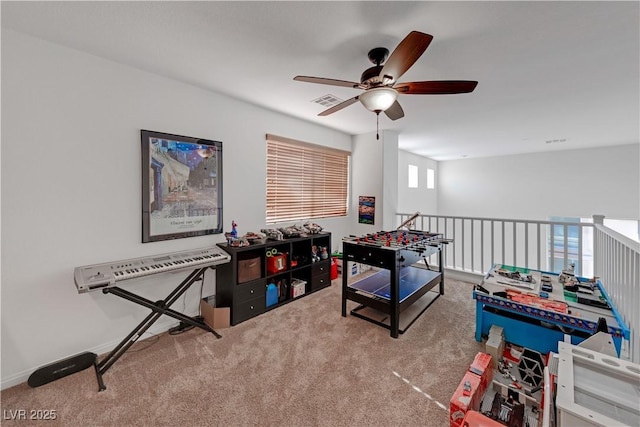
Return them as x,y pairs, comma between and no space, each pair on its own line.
272,294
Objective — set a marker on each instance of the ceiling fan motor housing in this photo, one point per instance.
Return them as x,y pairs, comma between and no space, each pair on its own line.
371,76
378,55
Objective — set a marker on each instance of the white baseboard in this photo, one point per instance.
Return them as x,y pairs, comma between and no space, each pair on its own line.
465,276
158,328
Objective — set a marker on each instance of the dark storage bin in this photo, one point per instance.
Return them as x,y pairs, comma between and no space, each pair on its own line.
249,269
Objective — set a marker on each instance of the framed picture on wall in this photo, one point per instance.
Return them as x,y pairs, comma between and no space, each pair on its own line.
181,186
366,209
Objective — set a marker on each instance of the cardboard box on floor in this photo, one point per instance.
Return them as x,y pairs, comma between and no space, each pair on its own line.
216,317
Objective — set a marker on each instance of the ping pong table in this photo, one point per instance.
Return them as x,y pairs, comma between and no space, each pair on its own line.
401,281
377,305
411,280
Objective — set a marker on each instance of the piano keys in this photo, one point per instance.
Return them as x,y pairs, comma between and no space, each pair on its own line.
98,276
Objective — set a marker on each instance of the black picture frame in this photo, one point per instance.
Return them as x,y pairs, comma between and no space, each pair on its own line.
366,209
181,186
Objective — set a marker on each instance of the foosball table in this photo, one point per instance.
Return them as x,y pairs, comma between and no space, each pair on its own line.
401,277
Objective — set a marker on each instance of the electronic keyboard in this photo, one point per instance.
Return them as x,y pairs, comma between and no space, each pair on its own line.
98,276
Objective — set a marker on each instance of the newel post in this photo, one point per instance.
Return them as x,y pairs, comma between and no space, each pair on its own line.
597,253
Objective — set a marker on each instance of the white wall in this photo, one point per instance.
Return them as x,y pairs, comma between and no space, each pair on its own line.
419,199
71,191
374,173
572,183
389,179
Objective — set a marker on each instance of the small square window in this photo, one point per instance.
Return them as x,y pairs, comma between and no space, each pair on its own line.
413,176
431,179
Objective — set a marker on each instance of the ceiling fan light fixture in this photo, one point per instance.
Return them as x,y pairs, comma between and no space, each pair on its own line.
378,99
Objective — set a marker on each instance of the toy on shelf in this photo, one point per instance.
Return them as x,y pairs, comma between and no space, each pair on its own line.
319,253
254,238
232,235
312,227
272,234
248,239
305,230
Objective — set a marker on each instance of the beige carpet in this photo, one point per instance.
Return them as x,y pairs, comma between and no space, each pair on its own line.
302,364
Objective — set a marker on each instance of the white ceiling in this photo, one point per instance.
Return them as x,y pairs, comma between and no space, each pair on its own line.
566,72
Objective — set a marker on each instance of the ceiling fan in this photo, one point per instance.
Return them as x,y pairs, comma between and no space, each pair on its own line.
380,82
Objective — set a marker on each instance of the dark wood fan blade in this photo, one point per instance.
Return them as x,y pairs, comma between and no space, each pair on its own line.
323,81
436,87
405,55
339,107
395,112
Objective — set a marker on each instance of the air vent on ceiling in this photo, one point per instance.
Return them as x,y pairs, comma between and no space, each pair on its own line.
555,141
328,100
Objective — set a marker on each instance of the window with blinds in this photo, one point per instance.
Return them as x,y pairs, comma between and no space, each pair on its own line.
305,181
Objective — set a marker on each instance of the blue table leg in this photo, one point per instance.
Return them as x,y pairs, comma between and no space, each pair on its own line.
478,321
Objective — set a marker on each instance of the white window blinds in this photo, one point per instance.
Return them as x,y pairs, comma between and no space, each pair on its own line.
305,181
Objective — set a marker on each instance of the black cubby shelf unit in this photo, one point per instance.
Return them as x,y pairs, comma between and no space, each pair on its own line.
244,283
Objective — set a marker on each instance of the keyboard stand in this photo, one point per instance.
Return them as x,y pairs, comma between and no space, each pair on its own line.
158,309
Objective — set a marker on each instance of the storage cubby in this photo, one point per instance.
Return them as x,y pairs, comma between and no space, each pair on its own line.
277,259
322,241
243,283
300,253
250,266
282,283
